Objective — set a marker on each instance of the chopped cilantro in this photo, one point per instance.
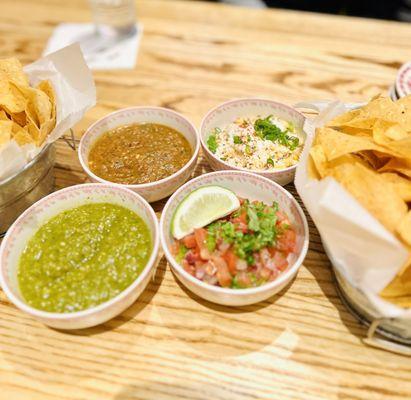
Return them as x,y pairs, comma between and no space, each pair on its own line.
237,140
235,284
250,259
248,149
211,242
212,143
253,222
182,251
261,222
269,131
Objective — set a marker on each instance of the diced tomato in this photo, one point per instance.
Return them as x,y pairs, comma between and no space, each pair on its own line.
242,227
243,279
243,217
189,241
201,237
188,267
241,222
280,260
265,273
287,241
192,257
282,218
231,260
223,274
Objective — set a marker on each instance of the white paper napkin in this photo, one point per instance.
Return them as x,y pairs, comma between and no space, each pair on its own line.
99,52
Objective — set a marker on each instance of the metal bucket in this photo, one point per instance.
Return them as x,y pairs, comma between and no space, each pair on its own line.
391,334
24,188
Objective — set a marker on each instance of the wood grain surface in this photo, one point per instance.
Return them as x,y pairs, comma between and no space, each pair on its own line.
300,344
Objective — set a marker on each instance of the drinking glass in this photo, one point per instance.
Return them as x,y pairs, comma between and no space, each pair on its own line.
114,18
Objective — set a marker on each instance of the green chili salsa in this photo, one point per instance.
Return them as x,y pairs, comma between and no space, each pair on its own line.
83,257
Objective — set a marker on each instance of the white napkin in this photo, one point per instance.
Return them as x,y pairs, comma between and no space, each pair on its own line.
99,52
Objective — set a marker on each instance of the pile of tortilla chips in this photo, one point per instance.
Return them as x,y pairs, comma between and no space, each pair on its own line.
368,151
27,114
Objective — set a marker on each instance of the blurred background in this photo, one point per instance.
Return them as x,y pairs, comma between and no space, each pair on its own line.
399,10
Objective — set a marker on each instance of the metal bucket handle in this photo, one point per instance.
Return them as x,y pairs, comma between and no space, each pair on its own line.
374,340
71,142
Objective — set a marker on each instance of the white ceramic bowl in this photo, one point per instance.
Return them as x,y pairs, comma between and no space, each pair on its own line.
229,111
152,191
30,221
253,187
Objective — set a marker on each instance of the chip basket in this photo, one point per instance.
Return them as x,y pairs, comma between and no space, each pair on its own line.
390,334
30,184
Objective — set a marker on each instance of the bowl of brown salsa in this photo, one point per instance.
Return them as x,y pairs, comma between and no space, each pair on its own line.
150,150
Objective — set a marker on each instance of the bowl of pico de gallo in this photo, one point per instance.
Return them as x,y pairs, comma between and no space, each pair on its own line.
234,238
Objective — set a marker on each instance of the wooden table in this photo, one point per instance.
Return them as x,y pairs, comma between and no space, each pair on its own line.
301,344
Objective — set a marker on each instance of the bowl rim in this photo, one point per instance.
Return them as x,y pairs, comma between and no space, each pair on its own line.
186,166
291,270
233,167
22,305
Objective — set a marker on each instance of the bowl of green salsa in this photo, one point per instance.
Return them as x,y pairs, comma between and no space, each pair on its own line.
81,255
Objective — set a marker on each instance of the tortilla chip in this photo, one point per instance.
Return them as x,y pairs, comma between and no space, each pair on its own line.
385,132
383,108
11,99
3,116
33,130
343,119
19,118
39,106
312,169
405,108
398,291
336,144
372,192
48,89
12,70
22,137
45,129
47,126
401,165
319,160
5,131
372,159
404,229
401,184
401,147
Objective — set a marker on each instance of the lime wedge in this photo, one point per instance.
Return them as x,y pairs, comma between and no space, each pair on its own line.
201,207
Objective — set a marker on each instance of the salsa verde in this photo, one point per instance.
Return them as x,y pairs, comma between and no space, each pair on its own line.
83,257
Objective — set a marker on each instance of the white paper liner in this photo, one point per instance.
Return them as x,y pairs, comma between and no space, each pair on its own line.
75,94
363,250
